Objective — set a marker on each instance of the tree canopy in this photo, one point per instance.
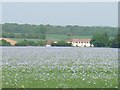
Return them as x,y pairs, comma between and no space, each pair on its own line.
115,43
14,30
100,40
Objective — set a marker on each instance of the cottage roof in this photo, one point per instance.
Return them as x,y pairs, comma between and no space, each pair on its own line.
12,42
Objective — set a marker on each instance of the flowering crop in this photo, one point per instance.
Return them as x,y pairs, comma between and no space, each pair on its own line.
38,67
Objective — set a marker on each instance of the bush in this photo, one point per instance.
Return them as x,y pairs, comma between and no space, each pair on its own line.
25,43
30,43
100,40
115,43
40,43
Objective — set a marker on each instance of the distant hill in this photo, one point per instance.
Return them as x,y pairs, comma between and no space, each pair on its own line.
14,30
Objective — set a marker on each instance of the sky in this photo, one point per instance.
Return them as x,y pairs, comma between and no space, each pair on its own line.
60,0
61,13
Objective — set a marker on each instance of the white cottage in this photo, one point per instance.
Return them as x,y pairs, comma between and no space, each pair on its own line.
80,42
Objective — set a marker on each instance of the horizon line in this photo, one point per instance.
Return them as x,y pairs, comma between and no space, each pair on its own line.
58,24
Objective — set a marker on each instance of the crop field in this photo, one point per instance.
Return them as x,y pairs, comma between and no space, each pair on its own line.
59,67
63,37
51,37
21,39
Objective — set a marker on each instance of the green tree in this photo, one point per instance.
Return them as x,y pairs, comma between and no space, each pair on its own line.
42,30
40,43
30,43
100,40
115,43
25,43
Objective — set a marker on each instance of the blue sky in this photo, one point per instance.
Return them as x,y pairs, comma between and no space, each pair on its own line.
61,13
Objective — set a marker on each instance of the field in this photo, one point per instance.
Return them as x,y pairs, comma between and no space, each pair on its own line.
52,37
59,67
63,37
21,39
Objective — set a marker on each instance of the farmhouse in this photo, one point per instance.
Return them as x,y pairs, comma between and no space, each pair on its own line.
80,42
12,42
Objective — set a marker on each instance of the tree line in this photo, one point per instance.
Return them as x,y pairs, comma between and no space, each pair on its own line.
14,30
103,40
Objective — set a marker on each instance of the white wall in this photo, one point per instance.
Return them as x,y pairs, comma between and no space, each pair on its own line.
81,44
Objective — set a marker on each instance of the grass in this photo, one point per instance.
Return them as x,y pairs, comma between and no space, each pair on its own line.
23,77
21,39
52,37
62,37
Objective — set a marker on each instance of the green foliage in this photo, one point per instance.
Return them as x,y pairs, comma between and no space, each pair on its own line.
30,43
56,37
40,43
25,43
8,35
100,40
10,30
27,31
4,43
0,43
115,43
39,31
61,43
